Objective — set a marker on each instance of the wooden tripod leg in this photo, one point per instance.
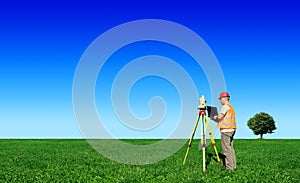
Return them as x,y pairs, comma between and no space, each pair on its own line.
191,139
213,141
203,140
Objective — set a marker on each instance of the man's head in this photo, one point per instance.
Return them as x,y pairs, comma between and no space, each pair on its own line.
224,97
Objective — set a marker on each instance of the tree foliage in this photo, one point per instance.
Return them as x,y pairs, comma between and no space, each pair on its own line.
261,123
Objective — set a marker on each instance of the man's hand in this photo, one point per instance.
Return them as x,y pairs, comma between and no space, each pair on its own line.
214,118
218,117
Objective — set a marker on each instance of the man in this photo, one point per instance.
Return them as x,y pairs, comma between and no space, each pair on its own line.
227,125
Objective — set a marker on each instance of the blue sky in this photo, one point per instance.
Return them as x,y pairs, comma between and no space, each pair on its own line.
255,42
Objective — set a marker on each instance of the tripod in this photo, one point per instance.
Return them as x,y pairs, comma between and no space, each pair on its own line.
204,126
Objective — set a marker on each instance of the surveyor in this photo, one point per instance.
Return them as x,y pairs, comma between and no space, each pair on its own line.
227,124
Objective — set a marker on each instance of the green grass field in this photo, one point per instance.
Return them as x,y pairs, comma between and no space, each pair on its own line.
76,161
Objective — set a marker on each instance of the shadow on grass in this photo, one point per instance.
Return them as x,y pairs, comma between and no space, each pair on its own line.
211,156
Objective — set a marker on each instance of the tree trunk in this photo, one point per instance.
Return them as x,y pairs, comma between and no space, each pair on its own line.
261,136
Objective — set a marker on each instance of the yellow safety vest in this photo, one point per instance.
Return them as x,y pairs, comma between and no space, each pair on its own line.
228,122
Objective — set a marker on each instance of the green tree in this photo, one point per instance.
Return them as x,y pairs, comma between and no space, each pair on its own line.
261,123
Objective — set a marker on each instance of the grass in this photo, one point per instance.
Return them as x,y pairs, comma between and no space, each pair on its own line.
76,161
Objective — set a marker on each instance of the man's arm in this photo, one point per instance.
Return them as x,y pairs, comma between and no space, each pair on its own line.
219,117
222,114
